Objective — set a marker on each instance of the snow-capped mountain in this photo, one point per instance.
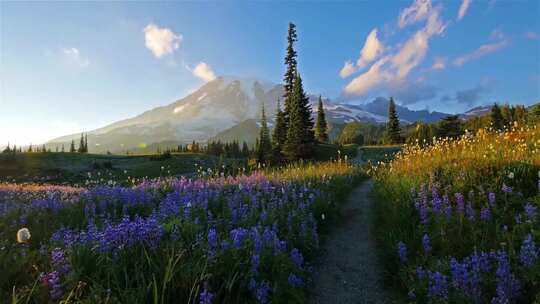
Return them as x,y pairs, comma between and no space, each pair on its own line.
217,106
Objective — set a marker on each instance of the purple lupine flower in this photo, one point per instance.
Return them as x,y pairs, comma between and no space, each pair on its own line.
294,280
402,252
426,243
492,199
52,281
508,286
528,253
261,290
238,236
206,297
485,214
506,189
297,258
59,261
436,205
530,212
423,212
438,286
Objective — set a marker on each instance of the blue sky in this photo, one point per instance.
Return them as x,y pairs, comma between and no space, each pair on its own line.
69,67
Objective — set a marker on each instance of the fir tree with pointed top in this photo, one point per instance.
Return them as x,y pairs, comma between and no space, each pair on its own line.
280,133
290,73
85,143
300,136
497,119
81,144
393,131
265,145
72,147
321,126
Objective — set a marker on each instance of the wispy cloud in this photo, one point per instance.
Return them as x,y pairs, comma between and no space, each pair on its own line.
74,56
347,70
438,64
203,71
372,49
483,49
393,67
161,41
463,8
418,11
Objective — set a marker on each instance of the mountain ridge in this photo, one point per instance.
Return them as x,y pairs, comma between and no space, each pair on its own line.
218,106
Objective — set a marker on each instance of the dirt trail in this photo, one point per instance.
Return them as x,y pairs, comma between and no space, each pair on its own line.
348,271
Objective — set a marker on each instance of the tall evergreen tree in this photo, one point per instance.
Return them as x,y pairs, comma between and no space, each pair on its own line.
265,145
81,144
393,131
280,132
72,147
30,148
321,127
290,73
85,143
300,136
450,126
496,116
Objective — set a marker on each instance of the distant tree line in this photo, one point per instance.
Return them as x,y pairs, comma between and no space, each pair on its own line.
82,148
499,118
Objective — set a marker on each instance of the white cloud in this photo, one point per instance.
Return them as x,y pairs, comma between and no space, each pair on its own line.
161,41
439,63
347,70
394,67
204,72
463,8
481,51
74,56
372,49
418,11
366,81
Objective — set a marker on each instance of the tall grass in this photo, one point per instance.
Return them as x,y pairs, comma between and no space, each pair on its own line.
458,220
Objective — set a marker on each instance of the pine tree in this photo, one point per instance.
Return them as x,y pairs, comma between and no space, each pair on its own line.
290,73
265,145
85,143
393,131
280,133
497,119
245,149
321,126
72,147
81,144
300,136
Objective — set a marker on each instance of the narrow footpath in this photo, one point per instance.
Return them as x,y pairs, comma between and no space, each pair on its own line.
348,272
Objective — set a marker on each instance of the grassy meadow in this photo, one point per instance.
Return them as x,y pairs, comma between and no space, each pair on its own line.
212,239
458,220
75,168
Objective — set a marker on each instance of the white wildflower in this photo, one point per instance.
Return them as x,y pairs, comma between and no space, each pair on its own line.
23,235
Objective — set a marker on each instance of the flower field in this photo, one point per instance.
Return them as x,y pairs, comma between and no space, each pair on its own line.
218,239
459,220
